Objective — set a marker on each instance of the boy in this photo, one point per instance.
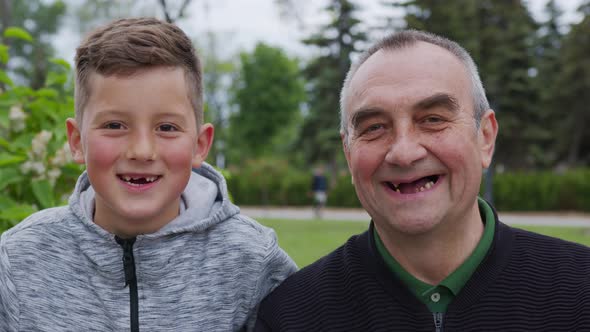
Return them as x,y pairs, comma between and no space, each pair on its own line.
145,242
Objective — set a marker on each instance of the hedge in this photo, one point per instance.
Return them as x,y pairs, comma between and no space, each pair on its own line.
275,183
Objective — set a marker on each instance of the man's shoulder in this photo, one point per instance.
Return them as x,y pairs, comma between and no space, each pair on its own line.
550,255
548,245
325,275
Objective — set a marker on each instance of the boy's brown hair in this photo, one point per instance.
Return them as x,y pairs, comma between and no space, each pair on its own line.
129,45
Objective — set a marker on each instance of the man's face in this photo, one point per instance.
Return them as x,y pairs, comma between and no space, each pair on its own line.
414,151
139,141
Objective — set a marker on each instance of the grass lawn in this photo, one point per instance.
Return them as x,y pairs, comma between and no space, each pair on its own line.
307,240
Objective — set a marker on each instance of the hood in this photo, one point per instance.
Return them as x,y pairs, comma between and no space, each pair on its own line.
204,203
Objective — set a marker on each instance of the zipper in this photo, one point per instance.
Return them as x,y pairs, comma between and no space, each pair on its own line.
130,280
438,321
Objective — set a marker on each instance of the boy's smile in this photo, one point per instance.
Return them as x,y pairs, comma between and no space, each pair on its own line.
139,141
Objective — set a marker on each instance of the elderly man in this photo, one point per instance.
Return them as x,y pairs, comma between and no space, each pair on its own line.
417,131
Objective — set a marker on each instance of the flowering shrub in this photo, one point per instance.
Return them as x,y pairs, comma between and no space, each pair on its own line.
36,169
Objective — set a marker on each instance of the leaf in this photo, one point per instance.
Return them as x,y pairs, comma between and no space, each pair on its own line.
4,78
61,62
47,93
56,79
4,53
14,32
16,213
8,176
43,192
10,159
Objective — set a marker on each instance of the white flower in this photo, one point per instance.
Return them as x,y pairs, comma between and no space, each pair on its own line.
16,113
38,167
53,174
26,167
39,144
17,118
63,156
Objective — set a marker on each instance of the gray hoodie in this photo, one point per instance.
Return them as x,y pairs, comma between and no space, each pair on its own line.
206,270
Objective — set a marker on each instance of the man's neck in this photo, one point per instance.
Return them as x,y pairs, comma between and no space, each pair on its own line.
432,256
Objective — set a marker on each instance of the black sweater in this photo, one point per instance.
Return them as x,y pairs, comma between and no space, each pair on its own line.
527,282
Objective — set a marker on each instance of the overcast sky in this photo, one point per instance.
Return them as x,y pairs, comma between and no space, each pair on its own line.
241,23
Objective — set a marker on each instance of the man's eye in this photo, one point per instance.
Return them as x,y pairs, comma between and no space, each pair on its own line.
433,119
113,125
167,127
374,127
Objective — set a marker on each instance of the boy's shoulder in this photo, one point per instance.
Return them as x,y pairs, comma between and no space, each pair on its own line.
39,226
243,231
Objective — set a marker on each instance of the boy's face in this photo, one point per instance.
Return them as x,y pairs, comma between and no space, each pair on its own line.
139,141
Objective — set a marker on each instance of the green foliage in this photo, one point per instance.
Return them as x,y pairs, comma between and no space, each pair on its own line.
269,92
335,42
31,47
269,182
14,32
342,193
573,139
273,182
36,170
542,191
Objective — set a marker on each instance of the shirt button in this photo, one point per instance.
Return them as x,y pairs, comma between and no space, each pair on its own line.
435,297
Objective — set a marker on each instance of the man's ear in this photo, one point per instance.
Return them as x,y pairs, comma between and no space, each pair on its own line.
204,141
488,131
75,140
346,149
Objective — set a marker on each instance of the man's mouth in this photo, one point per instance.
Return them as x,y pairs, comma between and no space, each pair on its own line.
417,186
139,180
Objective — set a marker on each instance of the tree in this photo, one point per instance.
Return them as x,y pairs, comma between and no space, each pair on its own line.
574,98
217,78
548,68
30,60
268,93
335,42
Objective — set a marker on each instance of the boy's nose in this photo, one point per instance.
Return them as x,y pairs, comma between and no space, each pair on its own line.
142,148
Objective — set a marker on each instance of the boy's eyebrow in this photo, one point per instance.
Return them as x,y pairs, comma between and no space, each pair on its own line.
363,114
438,100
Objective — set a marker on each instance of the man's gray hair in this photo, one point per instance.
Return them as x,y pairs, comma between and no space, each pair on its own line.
407,38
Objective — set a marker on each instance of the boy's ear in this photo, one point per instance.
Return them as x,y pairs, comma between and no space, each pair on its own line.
488,131
75,140
204,141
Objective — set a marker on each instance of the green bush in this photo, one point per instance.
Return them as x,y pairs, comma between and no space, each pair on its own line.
36,170
269,182
273,182
543,191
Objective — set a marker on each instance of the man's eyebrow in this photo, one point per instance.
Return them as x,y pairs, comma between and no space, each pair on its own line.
438,100
363,114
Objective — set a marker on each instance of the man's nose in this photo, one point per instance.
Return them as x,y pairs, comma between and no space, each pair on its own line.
142,147
405,149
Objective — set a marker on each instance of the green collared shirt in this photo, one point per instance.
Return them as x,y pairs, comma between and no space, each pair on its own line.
438,297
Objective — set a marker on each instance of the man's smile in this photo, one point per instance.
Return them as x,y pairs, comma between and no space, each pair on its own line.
413,186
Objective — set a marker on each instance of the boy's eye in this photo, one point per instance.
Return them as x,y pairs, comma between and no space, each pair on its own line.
113,125
167,127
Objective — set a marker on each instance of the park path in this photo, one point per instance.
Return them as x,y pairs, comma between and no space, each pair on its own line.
516,218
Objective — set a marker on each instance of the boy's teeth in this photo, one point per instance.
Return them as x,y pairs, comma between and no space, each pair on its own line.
128,178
